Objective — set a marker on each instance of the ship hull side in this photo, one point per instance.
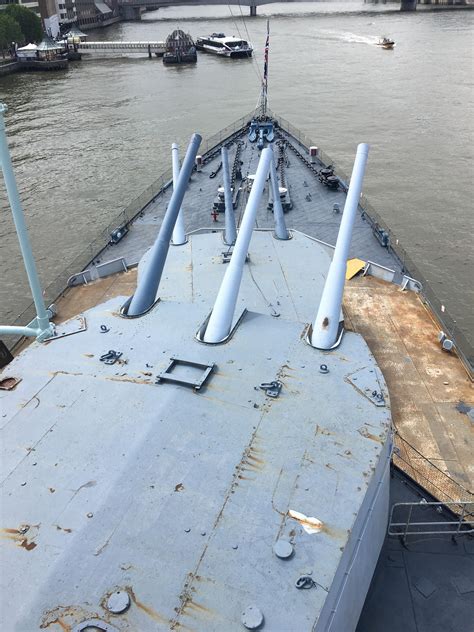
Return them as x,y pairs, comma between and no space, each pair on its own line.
351,583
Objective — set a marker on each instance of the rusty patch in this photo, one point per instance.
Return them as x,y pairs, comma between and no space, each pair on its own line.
151,612
60,614
18,536
29,546
196,606
179,487
368,435
63,625
310,525
326,322
65,529
320,527
251,457
134,380
9,383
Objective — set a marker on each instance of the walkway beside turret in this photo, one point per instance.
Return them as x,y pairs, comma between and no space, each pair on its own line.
430,391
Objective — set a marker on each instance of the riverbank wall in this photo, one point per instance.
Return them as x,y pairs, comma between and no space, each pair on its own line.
8,69
100,24
33,65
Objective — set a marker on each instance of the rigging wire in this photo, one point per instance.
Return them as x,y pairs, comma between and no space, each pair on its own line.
235,22
248,39
254,67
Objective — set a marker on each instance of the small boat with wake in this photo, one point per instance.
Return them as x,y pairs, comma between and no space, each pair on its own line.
386,42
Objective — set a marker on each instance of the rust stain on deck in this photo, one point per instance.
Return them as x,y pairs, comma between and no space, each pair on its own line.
424,382
61,614
365,433
18,536
151,612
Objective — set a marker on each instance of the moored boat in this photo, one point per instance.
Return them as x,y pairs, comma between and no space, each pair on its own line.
180,48
224,46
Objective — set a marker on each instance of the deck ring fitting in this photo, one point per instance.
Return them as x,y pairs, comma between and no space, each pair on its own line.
252,617
323,368
118,602
305,582
98,624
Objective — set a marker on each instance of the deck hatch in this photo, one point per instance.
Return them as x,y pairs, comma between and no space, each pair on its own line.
186,373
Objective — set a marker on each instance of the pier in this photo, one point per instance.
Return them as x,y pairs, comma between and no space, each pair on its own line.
150,47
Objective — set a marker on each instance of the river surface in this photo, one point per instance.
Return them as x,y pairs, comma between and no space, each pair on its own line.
86,141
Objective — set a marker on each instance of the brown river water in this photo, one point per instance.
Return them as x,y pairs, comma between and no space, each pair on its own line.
86,141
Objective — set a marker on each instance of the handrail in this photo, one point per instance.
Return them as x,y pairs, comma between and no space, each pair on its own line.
404,527
428,475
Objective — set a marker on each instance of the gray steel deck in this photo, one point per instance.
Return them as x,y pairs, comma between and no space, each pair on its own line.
111,481
314,217
426,585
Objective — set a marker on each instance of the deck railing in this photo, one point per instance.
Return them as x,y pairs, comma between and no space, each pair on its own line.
429,476
446,320
412,519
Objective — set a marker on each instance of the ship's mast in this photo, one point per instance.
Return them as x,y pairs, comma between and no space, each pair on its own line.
264,93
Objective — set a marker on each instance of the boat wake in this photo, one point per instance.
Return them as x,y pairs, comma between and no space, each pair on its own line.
350,38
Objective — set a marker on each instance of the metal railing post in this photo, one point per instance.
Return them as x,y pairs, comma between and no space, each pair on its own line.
461,518
407,525
40,327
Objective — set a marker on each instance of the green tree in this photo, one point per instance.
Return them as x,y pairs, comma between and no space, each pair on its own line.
10,31
29,22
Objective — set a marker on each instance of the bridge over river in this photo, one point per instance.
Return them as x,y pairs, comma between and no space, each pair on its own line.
132,9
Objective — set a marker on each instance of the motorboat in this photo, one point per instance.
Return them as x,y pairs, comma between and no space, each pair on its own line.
386,42
221,44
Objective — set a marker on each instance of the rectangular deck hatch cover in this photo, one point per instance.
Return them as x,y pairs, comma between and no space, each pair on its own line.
186,373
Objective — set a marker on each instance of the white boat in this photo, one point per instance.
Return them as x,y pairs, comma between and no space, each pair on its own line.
386,42
224,46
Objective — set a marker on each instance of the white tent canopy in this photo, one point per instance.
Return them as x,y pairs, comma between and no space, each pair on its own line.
27,52
28,47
